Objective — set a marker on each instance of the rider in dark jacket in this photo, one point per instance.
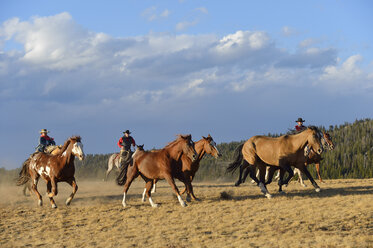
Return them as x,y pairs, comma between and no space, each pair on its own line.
125,143
44,141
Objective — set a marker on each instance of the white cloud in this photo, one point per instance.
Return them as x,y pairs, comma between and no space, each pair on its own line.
288,31
152,13
186,24
202,10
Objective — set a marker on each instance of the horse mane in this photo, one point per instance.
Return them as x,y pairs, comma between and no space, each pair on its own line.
77,138
293,132
172,143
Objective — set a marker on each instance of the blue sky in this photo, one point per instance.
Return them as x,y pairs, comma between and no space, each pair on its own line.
232,69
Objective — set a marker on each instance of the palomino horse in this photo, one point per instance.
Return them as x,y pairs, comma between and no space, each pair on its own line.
53,169
160,164
312,157
283,152
206,145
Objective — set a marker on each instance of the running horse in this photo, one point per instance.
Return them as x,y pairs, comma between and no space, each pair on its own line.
281,152
206,145
113,161
311,157
160,164
53,169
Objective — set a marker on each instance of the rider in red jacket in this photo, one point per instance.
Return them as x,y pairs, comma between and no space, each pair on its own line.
125,143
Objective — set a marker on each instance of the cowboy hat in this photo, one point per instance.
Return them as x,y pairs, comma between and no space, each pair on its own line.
127,131
300,120
44,131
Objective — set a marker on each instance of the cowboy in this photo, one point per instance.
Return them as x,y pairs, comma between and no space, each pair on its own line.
44,141
299,126
125,143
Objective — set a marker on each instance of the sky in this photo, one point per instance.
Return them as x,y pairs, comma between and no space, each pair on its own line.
232,69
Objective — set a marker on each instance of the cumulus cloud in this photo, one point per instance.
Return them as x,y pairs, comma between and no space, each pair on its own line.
61,58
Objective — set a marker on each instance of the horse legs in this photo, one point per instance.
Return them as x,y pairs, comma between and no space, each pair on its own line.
109,168
171,181
132,173
148,188
300,179
287,168
280,180
304,170
241,179
54,188
269,174
262,173
35,189
153,189
49,189
318,172
73,184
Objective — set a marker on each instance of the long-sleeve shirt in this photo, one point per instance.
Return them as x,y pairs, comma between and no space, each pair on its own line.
125,142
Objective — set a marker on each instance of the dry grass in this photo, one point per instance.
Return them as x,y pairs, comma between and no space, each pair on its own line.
341,215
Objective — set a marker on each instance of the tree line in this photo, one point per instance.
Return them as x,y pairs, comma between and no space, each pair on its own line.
351,158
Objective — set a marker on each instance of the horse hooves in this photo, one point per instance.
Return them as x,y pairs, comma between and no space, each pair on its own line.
304,185
188,198
183,204
40,203
54,206
155,205
237,184
317,189
269,196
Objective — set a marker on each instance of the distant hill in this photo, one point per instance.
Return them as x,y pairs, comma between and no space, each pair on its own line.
351,158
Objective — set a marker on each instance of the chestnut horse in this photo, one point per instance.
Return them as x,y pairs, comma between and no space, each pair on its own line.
53,169
312,157
281,152
190,168
160,164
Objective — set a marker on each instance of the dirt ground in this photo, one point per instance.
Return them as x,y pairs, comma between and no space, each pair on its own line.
341,215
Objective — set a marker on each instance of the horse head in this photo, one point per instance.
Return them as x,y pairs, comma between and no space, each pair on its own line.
210,146
327,141
188,147
77,147
314,140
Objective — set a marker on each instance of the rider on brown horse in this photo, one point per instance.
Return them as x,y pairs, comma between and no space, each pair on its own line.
44,141
125,143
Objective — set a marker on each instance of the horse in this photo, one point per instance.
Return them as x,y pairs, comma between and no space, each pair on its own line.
281,152
190,168
160,164
52,149
53,169
113,161
312,157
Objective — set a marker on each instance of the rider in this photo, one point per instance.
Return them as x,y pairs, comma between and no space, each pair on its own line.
125,143
300,126
44,141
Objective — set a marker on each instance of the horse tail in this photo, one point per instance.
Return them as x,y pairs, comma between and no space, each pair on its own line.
24,174
122,177
238,157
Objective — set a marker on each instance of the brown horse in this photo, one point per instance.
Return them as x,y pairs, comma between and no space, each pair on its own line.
206,145
53,169
314,158
54,150
284,151
311,157
160,164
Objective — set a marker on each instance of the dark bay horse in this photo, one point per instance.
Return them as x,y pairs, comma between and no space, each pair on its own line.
311,157
281,152
160,164
53,169
206,145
